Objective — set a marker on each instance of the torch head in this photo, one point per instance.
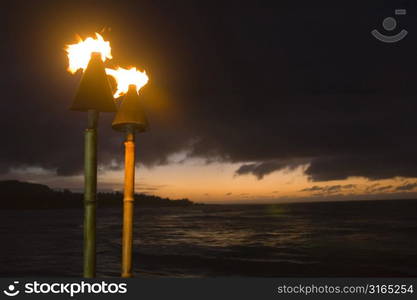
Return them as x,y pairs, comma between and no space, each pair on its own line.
94,92
131,113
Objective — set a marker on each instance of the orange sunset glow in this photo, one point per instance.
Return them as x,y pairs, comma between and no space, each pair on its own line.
217,183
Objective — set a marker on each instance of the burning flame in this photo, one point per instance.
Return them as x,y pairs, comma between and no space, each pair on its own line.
126,77
79,54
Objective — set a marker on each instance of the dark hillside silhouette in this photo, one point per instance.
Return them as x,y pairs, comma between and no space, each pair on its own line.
25,195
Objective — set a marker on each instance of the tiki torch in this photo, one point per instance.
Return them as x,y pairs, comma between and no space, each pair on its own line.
93,96
130,118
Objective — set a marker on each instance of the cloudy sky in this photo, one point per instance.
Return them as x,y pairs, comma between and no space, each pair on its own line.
248,102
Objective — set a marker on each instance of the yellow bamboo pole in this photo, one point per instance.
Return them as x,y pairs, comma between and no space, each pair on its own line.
129,191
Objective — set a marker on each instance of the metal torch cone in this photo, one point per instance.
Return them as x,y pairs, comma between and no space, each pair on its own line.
129,119
94,96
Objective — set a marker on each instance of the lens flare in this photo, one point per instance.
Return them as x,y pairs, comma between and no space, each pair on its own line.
126,77
79,54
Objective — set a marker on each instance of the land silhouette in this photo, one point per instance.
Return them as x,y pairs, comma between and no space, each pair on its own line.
16,194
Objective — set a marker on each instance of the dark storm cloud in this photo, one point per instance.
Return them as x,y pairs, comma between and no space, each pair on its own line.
406,187
264,168
249,83
383,188
312,189
329,189
376,188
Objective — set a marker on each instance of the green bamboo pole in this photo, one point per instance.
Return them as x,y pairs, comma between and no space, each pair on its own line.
90,192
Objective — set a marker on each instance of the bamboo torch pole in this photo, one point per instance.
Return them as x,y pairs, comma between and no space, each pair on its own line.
128,199
129,119
93,96
90,188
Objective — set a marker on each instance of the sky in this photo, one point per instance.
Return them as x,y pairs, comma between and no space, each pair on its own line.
248,102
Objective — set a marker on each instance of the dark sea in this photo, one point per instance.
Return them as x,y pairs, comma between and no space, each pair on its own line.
372,238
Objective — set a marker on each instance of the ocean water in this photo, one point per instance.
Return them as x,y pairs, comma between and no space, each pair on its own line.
372,238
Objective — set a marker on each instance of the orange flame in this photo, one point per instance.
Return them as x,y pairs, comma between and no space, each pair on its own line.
79,54
126,77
